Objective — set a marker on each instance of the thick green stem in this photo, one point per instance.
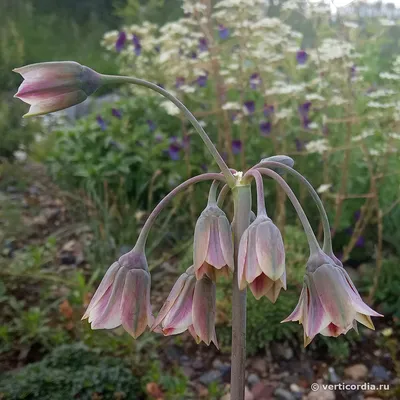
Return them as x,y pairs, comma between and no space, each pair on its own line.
327,246
312,240
141,242
242,208
214,152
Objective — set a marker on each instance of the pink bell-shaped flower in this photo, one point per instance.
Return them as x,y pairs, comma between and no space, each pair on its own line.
175,315
190,306
261,259
53,86
329,302
123,297
213,244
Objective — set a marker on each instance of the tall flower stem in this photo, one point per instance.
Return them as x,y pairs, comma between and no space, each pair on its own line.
327,247
210,146
242,208
141,242
312,240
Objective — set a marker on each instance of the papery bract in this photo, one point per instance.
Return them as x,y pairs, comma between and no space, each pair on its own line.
123,297
53,86
261,259
213,244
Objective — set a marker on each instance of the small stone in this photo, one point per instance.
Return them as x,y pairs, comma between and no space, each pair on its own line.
253,379
296,388
173,353
247,394
226,397
262,391
217,363
321,394
380,373
188,371
333,376
259,365
356,372
283,394
202,391
210,377
198,364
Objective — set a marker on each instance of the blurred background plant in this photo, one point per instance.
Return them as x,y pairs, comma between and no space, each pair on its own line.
289,78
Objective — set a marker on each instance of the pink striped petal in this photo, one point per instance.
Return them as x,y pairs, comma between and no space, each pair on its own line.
242,255
50,70
365,320
135,302
330,286
261,286
297,313
111,316
214,256
204,310
226,240
252,270
201,242
274,291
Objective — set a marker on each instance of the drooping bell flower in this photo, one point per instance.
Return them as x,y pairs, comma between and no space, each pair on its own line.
213,245
137,47
175,315
329,302
236,146
53,86
100,121
116,113
301,57
265,128
249,107
123,297
120,43
261,259
203,314
223,32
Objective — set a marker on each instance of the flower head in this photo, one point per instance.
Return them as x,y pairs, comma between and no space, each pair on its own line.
329,302
249,106
174,149
202,80
123,297
255,80
137,47
236,146
265,128
102,124
203,44
53,86
213,245
223,32
261,259
116,113
268,109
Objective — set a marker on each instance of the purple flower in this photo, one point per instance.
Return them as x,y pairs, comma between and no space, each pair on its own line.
102,124
265,128
357,215
116,113
250,106
136,44
193,55
119,44
255,80
151,125
304,109
301,57
223,31
236,146
203,44
299,144
180,81
360,241
268,109
202,80
173,151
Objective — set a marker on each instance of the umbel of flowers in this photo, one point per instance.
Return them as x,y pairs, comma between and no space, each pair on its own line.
250,247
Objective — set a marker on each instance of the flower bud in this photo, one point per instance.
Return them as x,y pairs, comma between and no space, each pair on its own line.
281,159
123,297
213,245
261,259
53,86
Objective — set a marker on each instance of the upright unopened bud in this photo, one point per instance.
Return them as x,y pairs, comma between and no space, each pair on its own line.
53,86
123,297
175,315
261,259
204,308
213,244
329,302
